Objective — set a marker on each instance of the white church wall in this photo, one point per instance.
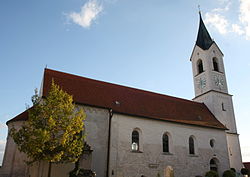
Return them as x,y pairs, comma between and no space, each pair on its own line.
40,169
224,114
207,59
13,161
152,160
234,151
96,128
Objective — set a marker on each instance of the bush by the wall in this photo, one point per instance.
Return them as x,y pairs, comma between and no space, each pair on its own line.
244,171
211,173
233,169
229,173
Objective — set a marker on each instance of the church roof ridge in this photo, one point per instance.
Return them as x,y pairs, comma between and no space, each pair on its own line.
204,39
129,101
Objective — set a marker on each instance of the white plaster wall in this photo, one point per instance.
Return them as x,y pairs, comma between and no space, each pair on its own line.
234,151
13,161
213,101
209,74
40,169
125,163
96,127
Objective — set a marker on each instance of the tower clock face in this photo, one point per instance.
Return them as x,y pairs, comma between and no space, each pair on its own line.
201,83
219,81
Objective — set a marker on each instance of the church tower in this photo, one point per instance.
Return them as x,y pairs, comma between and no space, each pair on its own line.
210,87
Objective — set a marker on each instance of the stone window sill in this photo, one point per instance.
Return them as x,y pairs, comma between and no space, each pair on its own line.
199,73
136,151
217,71
167,153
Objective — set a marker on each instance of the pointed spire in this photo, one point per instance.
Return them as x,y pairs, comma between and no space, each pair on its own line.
204,40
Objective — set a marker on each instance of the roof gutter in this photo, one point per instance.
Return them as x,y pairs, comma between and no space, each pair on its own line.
109,139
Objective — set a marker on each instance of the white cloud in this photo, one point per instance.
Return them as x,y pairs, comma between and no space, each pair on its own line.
237,29
223,1
3,128
217,18
245,153
89,12
2,147
244,16
217,21
222,10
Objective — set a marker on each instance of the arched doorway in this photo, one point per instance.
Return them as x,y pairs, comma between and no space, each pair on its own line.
214,164
169,171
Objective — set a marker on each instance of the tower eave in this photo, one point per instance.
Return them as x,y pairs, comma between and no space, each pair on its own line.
203,49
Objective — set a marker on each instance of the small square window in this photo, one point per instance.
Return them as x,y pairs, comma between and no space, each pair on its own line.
223,107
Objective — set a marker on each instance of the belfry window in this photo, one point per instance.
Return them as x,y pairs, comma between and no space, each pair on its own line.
135,140
191,145
215,64
165,143
200,66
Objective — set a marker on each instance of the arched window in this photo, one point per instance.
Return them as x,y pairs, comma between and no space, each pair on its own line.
200,66
215,64
135,140
165,142
191,145
211,142
213,165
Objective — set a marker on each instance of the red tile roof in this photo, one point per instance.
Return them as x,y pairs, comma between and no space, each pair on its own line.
20,117
130,101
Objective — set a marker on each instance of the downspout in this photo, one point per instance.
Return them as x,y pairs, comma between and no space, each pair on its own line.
109,135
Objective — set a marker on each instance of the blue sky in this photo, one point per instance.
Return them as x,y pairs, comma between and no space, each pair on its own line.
143,44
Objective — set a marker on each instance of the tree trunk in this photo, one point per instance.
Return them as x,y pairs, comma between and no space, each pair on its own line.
49,171
77,165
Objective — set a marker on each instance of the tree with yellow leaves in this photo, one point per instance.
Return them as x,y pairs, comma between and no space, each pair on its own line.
53,131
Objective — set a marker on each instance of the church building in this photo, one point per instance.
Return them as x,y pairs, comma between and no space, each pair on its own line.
137,133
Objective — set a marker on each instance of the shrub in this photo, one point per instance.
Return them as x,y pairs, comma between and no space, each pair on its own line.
229,173
211,173
244,171
233,169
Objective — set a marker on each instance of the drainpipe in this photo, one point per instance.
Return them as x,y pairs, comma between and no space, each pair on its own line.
109,136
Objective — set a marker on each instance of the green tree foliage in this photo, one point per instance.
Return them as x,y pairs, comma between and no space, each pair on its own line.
211,173
233,169
53,132
229,173
244,171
